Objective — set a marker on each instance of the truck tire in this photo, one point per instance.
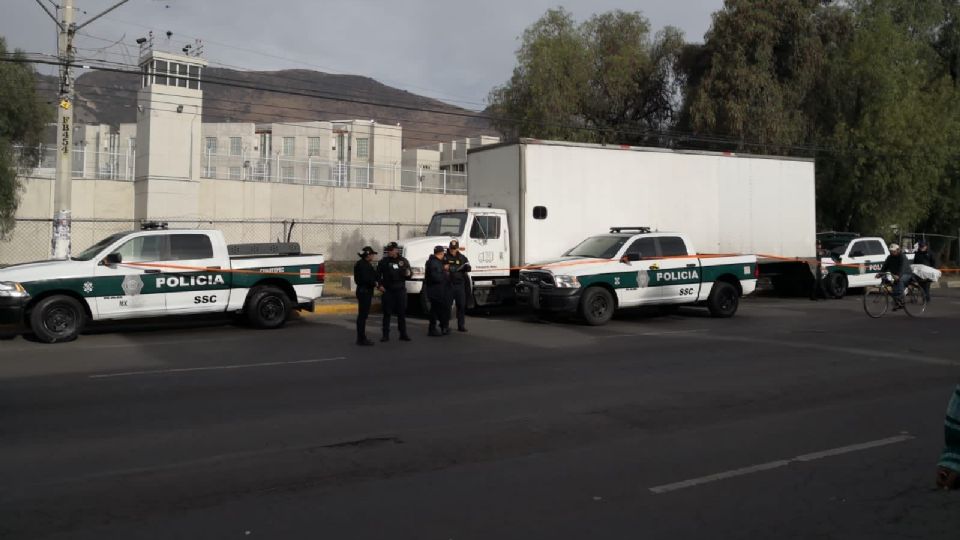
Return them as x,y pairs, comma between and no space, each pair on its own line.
57,319
836,285
724,300
267,307
597,306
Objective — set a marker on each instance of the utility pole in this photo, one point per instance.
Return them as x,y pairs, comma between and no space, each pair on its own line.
62,191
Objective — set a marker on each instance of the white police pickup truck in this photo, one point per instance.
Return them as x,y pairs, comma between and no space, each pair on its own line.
853,262
158,272
632,266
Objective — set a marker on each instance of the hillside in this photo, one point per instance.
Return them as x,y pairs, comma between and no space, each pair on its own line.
110,98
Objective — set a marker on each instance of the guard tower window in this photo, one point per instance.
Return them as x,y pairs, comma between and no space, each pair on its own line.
539,212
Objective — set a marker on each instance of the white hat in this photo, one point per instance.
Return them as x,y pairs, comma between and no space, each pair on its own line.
894,247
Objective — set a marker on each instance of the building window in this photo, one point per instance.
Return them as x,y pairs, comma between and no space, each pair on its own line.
286,174
363,148
211,146
313,146
459,167
160,72
236,173
288,146
195,77
210,171
236,146
315,172
362,176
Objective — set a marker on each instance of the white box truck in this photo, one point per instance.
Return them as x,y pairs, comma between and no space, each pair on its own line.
530,201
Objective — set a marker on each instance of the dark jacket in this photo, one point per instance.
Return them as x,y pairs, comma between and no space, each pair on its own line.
435,279
896,264
926,258
393,272
365,275
459,266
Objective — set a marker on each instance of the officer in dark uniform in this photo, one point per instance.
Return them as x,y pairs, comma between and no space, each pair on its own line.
458,266
437,281
394,271
366,278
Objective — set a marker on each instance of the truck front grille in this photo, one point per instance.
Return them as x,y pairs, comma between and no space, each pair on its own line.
537,278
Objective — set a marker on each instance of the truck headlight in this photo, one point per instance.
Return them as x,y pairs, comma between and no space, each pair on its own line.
12,289
566,282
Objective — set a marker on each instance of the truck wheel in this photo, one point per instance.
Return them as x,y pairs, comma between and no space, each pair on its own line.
597,306
836,285
56,319
724,300
267,307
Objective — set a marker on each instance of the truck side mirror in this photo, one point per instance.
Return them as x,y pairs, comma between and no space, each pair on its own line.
112,259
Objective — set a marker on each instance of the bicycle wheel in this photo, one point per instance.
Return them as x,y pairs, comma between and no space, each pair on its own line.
914,301
876,302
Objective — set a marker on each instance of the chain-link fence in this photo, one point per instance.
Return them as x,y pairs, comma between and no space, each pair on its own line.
337,241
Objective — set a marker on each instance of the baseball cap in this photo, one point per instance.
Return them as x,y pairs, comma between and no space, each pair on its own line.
367,250
454,244
391,245
438,249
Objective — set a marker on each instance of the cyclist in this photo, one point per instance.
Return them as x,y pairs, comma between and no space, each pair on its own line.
898,265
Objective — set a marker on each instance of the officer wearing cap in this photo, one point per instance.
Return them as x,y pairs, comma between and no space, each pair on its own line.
394,271
436,279
458,266
366,278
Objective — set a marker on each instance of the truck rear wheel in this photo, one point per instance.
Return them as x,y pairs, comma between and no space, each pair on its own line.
724,300
267,307
56,319
597,306
836,285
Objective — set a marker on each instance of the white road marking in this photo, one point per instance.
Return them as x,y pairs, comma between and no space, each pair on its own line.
666,488
654,334
853,351
139,344
214,368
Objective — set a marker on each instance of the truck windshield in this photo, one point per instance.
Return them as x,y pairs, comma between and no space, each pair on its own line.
598,247
93,250
447,224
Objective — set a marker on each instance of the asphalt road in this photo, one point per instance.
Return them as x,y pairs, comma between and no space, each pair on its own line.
792,420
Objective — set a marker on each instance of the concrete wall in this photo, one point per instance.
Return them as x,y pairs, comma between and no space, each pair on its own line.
334,221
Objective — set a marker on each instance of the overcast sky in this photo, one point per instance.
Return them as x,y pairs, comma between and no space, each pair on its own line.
449,49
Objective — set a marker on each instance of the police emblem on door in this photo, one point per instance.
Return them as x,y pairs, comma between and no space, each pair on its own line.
643,280
132,285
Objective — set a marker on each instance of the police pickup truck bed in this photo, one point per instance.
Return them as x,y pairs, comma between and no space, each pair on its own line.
624,269
153,273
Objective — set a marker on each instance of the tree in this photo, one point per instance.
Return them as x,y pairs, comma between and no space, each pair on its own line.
606,80
888,117
22,117
753,78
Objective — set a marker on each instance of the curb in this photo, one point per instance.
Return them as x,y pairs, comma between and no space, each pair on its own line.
340,306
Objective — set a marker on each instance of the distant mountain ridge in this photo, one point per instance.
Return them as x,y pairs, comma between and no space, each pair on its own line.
110,98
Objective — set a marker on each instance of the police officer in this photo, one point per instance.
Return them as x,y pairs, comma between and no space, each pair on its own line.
394,271
366,278
437,281
458,266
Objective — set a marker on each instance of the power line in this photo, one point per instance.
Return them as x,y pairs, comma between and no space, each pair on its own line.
295,121
300,62
674,136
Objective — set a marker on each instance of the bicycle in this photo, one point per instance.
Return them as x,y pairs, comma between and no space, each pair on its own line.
877,300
